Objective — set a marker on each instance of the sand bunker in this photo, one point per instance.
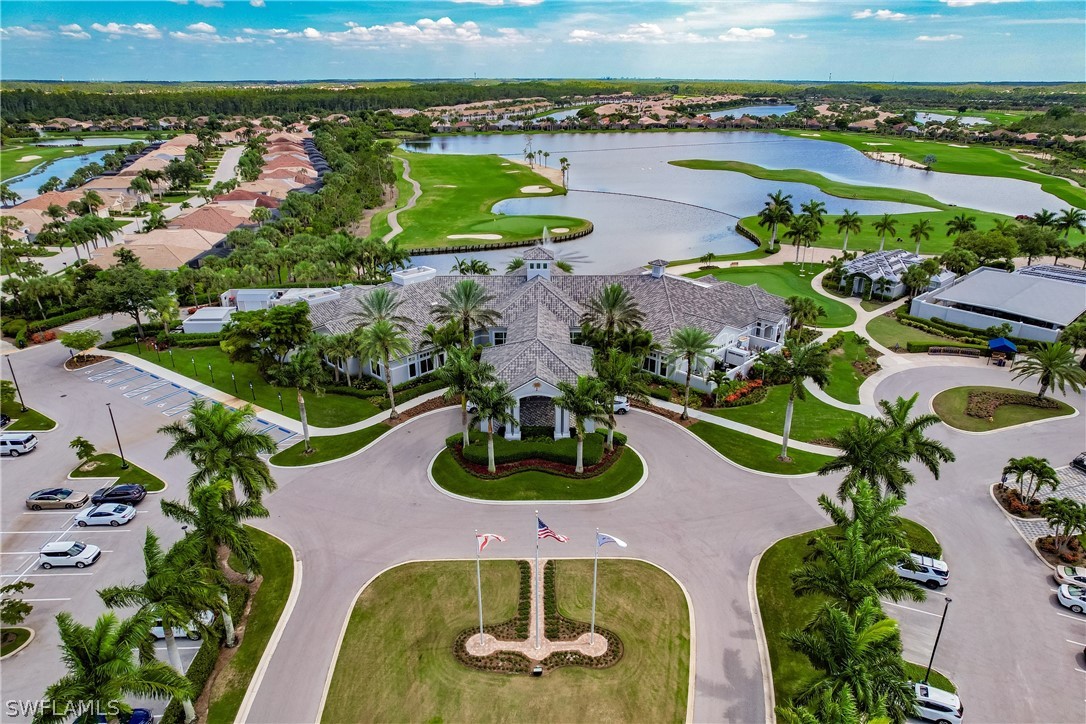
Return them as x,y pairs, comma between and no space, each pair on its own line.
535,189
866,143
895,158
24,159
485,237
957,145
444,186
812,135
560,230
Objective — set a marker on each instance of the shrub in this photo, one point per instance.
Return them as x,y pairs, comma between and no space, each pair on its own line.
556,451
20,338
12,327
984,403
59,321
660,393
925,346
42,337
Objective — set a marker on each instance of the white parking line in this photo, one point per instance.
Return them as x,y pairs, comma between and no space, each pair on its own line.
1067,615
43,600
29,575
1076,643
109,529
18,553
48,512
909,608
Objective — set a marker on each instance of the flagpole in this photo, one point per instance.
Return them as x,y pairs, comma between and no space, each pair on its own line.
537,579
595,571
479,585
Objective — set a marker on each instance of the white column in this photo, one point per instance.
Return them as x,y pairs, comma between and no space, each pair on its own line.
512,430
559,431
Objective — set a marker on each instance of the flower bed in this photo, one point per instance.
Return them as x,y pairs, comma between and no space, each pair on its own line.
503,470
1054,553
736,393
984,403
1012,502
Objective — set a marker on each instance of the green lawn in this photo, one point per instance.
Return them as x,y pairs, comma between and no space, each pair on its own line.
20,636
405,621
277,568
11,166
784,280
323,411
29,420
975,160
782,611
845,380
950,406
756,453
108,465
329,447
458,193
812,418
536,484
839,189
887,331
756,253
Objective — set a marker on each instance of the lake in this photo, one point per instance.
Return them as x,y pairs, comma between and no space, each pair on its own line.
643,208
27,184
964,120
755,111
87,141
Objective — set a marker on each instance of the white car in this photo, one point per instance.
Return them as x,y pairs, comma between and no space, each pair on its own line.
68,553
937,705
1075,576
621,405
106,514
191,631
930,572
1073,597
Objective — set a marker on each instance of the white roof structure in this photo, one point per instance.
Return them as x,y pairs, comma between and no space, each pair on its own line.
889,265
1027,296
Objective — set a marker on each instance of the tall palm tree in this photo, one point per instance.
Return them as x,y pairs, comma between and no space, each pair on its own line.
495,405
795,364
304,372
803,311
887,224
103,669
1055,367
220,442
8,195
815,210
798,233
1031,474
776,211
1071,219
848,222
174,591
830,706
216,522
1044,218
585,401
693,346
960,224
613,311
859,653
920,231
873,515
165,307
465,304
92,201
385,340
462,375
380,304
621,376
897,417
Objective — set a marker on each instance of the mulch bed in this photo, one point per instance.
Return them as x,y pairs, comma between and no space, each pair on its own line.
1012,503
983,404
435,404
1057,555
79,362
503,470
673,416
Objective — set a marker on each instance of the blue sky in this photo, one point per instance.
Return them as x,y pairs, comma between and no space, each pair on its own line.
936,40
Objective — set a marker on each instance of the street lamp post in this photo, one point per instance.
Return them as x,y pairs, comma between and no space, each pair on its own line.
252,391
194,372
212,372
22,405
124,463
234,380
281,402
173,362
937,635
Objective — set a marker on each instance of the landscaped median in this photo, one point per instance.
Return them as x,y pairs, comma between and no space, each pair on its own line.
108,465
812,421
755,453
328,447
982,409
31,420
12,638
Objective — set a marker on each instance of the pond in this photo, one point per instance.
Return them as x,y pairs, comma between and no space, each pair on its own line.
643,208
754,111
86,141
964,120
27,184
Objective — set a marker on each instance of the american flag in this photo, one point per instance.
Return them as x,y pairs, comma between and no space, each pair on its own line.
484,538
544,532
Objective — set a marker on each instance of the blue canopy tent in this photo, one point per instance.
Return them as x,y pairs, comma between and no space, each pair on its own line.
1000,348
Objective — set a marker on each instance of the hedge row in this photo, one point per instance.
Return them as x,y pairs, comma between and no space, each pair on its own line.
925,346
953,329
562,451
63,319
409,394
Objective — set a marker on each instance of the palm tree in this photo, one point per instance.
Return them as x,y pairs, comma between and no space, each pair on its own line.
693,346
8,196
385,341
1071,219
92,201
260,214
960,224
585,401
380,304
462,375
910,431
859,653
815,211
798,232
848,222
920,231
495,405
795,364
1044,219
614,310
221,442
1054,365
465,304
174,591
1066,516
165,307
875,516
777,210
803,311
304,372
103,669
885,225
216,522
830,706
916,278
1032,474
621,376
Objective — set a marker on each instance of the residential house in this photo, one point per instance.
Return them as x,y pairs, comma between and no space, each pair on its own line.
880,274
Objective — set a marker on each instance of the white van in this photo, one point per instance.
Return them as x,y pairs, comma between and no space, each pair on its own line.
17,443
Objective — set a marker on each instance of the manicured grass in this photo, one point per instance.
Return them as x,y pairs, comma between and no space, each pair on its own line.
329,447
921,540
887,331
975,160
839,189
811,419
784,280
11,166
29,420
950,406
845,381
323,411
756,253
108,465
477,183
756,453
21,635
783,611
395,663
536,484
277,569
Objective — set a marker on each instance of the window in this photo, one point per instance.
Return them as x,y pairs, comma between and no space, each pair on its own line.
411,370
575,336
499,337
426,363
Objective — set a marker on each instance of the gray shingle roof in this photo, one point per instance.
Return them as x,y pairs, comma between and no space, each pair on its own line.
889,264
537,346
538,253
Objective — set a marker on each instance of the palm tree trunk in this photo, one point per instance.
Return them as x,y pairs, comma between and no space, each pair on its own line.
464,419
580,448
844,246
305,420
174,656
773,237
490,445
228,622
787,427
797,252
392,414
686,397
611,430
882,241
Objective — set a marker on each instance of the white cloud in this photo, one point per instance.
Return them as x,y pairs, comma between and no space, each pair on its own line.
519,3
201,28
116,30
878,15
18,31
711,17
202,37
424,30
579,35
968,3
797,36
938,38
257,3
525,3
209,3
745,35
74,31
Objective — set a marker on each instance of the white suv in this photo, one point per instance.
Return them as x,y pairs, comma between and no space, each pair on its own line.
68,553
930,572
937,705
191,631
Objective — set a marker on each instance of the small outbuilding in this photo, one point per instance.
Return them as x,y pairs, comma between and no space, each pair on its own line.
207,320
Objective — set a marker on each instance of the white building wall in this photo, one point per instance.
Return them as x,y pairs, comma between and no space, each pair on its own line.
927,310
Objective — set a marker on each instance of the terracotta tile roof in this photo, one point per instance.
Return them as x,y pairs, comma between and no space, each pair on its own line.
209,218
